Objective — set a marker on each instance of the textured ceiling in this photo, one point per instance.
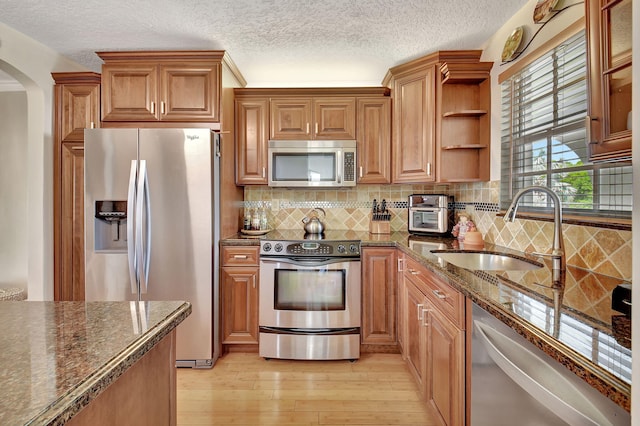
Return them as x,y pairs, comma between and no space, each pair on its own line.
274,43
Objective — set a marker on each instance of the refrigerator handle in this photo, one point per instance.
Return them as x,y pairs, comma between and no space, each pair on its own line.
147,221
143,226
131,223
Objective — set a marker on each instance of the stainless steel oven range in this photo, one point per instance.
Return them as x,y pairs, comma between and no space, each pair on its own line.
310,295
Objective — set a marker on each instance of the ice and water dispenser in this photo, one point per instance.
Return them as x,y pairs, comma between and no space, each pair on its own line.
110,225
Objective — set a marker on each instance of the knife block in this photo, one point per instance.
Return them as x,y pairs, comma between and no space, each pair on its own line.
379,226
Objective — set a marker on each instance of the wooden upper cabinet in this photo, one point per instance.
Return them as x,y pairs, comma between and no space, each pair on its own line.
313,118
609,38
252,133
81,110
374,140
180,86
414,127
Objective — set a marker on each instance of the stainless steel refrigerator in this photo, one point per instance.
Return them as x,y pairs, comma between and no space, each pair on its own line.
151,226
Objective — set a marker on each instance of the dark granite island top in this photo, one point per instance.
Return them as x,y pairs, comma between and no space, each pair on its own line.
57,357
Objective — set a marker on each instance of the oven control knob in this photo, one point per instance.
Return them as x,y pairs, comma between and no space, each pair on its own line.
278,247
353,248
341,248
266,247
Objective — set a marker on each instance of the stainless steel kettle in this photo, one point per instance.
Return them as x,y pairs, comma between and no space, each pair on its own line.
312,223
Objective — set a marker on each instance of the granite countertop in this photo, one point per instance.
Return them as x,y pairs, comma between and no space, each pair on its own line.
58,356
570,319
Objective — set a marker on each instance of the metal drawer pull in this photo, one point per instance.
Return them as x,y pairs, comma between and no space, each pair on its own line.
439,295
240,256
424,317
420,307
413,272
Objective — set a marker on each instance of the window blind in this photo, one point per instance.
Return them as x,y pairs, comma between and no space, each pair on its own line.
543,139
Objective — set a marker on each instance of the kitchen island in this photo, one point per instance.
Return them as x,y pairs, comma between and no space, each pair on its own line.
74,362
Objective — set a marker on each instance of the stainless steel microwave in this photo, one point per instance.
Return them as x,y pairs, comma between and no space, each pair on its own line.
317,163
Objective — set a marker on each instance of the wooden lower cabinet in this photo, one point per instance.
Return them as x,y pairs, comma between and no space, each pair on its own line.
239,291
379,300
434,342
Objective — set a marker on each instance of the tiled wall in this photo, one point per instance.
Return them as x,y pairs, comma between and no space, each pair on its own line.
605,251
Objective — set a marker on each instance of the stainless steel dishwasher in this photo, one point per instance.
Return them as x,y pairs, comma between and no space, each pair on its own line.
514,382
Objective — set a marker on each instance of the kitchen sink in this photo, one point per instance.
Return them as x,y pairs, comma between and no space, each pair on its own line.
484,261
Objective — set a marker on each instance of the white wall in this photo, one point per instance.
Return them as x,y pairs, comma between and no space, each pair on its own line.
492,51
31,64
13,189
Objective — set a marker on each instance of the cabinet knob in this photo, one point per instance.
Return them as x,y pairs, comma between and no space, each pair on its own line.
264,172
162,108
425,323
428,169
153,107
421,310
361,171
316,128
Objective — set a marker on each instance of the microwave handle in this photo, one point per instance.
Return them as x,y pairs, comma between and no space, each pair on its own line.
339,166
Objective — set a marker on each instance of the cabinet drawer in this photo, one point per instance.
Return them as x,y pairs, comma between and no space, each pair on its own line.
445,298
239,256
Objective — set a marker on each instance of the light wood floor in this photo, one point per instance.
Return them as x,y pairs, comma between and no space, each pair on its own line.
244,389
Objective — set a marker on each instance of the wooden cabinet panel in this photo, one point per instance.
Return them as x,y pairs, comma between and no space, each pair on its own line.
445,369
71,285
415,344
152,86
239,300
610,81
291,119
79,110
334,118
239,295
252,133
190,93
379,296
414,128
130,92
374,140
313,118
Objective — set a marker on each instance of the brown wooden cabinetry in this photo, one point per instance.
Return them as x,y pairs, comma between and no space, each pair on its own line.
434,343
379,299
239,291
252,132
356,113
175,86
441,118
610,78
464,99
374,140
313,118
77,106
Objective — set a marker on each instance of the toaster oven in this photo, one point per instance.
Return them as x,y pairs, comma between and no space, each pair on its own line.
430,214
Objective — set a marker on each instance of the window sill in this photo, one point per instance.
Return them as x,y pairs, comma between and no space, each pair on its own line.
596,222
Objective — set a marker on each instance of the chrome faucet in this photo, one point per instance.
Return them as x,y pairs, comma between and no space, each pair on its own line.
557,251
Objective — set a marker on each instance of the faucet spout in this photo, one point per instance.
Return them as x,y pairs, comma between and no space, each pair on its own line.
557,250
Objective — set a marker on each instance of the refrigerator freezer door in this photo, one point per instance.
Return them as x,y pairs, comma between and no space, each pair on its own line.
108,157
179,171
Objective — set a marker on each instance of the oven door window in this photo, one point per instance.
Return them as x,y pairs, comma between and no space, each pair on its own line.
427,220
310,290
308,166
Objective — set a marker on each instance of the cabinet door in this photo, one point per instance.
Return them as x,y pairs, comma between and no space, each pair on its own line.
610,78
374,140
70,259
190,93
252,134
445,391
414,128
291,119
79,110
379,296
416,333
130,92
334,118
239,301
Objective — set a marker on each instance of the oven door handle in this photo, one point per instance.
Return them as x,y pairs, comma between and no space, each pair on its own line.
306,261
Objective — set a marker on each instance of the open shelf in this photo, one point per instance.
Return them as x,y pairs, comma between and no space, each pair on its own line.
466,146
465,113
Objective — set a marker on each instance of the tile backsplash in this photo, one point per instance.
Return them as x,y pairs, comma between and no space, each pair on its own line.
605,251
